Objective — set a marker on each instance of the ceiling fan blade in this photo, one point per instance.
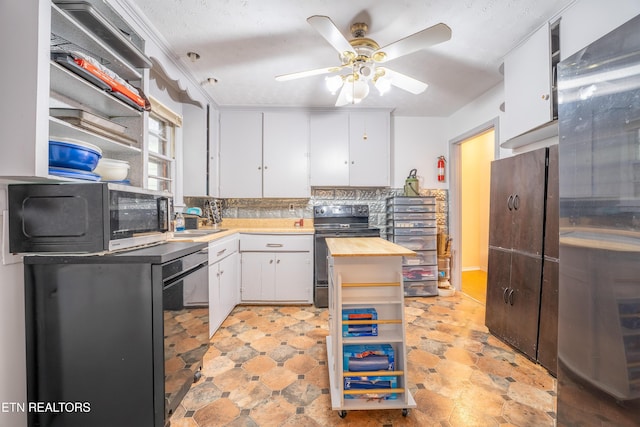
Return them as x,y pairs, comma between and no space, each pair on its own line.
342,96
308,73
405,82
422,39
327,29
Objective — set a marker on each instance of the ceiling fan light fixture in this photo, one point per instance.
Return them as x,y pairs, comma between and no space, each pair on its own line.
358,91
383,84
333,83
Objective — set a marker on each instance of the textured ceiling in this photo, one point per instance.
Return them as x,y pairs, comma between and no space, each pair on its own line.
246,43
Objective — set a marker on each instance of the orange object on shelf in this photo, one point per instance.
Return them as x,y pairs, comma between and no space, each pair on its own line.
114,84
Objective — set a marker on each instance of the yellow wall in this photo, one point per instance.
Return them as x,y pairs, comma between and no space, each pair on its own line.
476,154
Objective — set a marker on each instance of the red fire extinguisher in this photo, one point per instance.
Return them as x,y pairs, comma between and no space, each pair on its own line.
441,162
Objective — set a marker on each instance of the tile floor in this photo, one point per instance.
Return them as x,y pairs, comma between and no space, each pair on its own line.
267,366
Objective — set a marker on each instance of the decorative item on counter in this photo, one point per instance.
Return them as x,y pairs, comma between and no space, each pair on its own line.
359,329
411,184
179,222
213,211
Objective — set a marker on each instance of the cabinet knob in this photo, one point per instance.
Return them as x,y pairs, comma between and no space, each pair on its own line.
504,295
346,162
511,296
265,168
545,97
278,262
259,168
353,162
516,202
270,261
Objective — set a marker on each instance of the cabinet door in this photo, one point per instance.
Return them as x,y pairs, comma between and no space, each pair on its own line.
501,202
369,149
240,154
527,84
257,276
551,225
229,275
215,314
329,149
498,275
524,303
294,276
528,183
286,155
194,150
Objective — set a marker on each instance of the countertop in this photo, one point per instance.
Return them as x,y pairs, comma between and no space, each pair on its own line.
365,246
251,225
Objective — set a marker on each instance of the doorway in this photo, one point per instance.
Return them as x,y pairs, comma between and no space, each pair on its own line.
472,154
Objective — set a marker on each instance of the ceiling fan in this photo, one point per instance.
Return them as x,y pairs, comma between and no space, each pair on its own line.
361,60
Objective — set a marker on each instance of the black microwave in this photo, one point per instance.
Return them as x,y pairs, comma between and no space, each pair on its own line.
91,217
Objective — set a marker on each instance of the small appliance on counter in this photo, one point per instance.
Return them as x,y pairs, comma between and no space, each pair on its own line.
86,217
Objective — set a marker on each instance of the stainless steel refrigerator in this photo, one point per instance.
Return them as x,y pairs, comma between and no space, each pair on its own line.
599,280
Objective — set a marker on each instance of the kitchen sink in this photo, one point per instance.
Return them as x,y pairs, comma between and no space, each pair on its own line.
199,232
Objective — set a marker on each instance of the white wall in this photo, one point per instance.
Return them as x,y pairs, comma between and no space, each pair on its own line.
416,143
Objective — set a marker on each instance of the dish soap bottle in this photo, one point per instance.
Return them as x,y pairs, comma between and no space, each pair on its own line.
179,222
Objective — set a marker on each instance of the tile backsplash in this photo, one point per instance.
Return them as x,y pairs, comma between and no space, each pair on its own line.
303,208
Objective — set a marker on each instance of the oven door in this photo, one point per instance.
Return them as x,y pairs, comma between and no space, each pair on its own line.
186,328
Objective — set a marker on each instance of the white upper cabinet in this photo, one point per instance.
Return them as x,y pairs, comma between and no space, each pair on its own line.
264,154
349,149
35,28
241,154
329,149
285,155
369,149
528,84
194,150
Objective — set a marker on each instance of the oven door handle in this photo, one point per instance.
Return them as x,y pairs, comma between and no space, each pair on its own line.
167,283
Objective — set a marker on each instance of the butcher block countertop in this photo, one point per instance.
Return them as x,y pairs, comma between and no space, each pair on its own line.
251,225
365,246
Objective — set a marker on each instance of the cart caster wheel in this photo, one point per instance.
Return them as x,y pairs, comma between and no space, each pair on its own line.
197,376
405,412
342,414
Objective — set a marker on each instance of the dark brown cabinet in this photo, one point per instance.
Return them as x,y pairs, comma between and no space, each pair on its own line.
521,306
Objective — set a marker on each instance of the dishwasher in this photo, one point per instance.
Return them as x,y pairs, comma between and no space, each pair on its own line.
110,341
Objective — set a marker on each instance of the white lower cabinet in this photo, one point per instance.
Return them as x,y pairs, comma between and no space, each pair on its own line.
224,269
276,268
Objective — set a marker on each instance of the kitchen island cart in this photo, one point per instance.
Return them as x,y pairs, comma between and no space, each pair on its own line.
367,370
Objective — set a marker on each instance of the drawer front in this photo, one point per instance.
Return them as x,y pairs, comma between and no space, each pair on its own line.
412,223
222,249
414,200
416,243
421,258
415,231
412,208
276,243
427,288
414,216
420,272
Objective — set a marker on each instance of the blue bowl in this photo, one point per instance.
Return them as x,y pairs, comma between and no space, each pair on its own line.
72,156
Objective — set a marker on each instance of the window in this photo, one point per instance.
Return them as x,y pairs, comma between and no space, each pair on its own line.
162,135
